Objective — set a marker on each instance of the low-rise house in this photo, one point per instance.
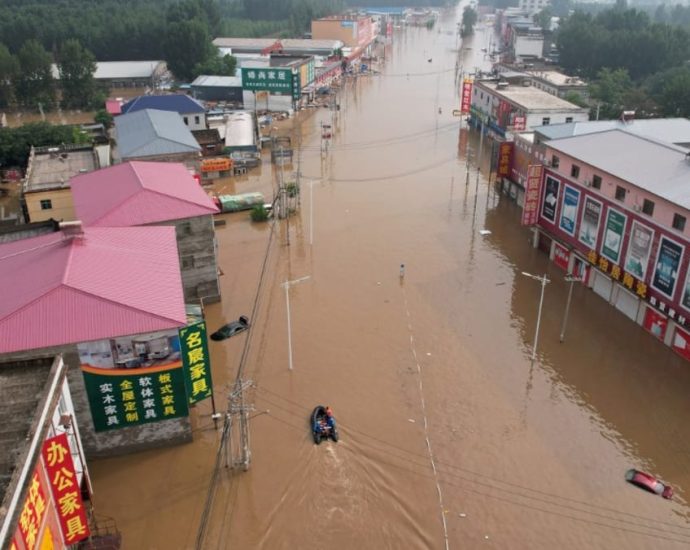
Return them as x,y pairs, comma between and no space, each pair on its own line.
155,135
227,89
127,74
192,112
45,189
210,142
157,193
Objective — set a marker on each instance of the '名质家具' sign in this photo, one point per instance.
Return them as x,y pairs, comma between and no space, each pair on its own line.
196,362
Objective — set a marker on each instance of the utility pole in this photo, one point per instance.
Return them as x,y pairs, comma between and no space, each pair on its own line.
238,414
572,280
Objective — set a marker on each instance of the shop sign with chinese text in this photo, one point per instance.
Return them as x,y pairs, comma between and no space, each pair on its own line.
519,123
268,79
32,515
64,483
505,155
466,100
196,362
128,397
530,208
220,164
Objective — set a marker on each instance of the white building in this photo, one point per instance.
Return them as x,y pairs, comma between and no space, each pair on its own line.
533,6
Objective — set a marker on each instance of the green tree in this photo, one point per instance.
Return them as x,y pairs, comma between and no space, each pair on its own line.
15,143
9,69
217,65
674,93
187,45
543,19
469,18
103,117
609,91
77,67
34,84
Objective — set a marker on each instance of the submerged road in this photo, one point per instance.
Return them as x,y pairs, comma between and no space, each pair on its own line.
450,436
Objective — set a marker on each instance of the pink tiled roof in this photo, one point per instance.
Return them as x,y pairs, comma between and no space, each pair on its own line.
108,282
138,193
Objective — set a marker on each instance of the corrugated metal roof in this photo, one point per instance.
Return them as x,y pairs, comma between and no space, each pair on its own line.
530,97
151,132
239,129
667,130
660,168
288,43
109,282
217,81
177,103
114,70
138,193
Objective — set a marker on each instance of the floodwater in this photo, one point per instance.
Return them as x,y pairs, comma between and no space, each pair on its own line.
450,436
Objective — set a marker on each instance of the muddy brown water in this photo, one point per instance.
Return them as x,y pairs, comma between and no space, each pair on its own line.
450,437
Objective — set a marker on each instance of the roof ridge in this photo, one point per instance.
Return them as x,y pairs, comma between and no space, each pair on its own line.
124,200
26,305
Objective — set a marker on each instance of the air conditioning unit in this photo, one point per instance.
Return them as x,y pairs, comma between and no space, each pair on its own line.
637,207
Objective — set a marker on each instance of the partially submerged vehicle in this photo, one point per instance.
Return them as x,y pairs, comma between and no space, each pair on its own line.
649,483
323,424
235,327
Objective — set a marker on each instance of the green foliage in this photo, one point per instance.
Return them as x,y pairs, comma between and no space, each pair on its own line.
187,45
34,83
469,18
103,117
672,91
15,143
576,99
543,19
259,213
77,67
9,69
217,65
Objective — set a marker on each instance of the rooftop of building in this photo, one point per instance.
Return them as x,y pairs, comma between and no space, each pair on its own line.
71,286
289,44
656,167
529,97
152,132
666,130
177,103
9,233
23,385
114,70
217,81
557,78
52,167
139,193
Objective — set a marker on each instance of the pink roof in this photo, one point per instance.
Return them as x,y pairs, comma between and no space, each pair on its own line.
113,106
138,193
104,283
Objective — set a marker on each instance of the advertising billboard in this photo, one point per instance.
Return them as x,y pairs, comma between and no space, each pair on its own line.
196,362
532,191
639,250
613,235
551,193
589,224
519,123
571,200
466,100
269,79
667,264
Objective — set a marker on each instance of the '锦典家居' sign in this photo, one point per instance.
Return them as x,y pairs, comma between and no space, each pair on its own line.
281,81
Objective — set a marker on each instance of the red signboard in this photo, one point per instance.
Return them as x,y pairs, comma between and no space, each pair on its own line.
466,95
505,157
681,343
66,492
561,256
33,512
530,210
519,123
655,323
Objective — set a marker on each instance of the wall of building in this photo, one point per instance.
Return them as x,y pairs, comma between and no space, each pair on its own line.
194,121
112,442
61,209
528,46
190,160
536,119
350,32
197,247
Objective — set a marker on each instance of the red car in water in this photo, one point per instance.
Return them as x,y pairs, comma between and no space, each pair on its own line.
649,483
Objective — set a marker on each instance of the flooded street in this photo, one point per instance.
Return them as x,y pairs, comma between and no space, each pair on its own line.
450,437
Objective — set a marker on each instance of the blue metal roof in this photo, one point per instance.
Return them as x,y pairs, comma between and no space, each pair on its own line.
178,103
153,132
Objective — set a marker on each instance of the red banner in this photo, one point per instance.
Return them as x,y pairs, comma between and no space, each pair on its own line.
655,323
33,512
466,95
66,492
530,210
505,157
561,256
519,123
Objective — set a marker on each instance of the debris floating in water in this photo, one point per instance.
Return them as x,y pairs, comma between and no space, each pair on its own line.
411,420
462,515
484,232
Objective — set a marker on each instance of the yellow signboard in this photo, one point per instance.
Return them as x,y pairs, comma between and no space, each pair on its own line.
216,165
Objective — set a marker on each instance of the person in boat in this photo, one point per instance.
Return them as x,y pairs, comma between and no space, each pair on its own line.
330,419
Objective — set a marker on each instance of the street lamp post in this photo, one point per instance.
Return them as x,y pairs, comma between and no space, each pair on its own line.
544,281
572,280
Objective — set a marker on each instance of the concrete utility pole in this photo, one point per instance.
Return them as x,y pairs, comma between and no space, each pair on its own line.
238,414
544,281
572,280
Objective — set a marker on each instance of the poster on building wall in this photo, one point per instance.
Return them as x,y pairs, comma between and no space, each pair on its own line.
551,192
530,208
668,261
614,229
466,100
681,343
196,362
571,200
63,481
519,123
685,299
561,256
589,225
639,250
655,323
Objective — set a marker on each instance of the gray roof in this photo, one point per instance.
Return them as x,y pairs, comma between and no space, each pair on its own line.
114,70
289,44
660,168
531,98
151,132
210,81
667,130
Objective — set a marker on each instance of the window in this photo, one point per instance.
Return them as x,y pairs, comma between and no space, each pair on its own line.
568,119
46,204
596,182
546,121
620,193
187,262
678,222
648,207
196,119
555,161
575,171
186,120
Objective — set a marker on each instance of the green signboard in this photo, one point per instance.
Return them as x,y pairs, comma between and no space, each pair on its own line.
268,79
196,363
613,236
296,87
120,397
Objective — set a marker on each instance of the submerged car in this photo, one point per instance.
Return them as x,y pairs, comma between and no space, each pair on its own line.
226,331
649,483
